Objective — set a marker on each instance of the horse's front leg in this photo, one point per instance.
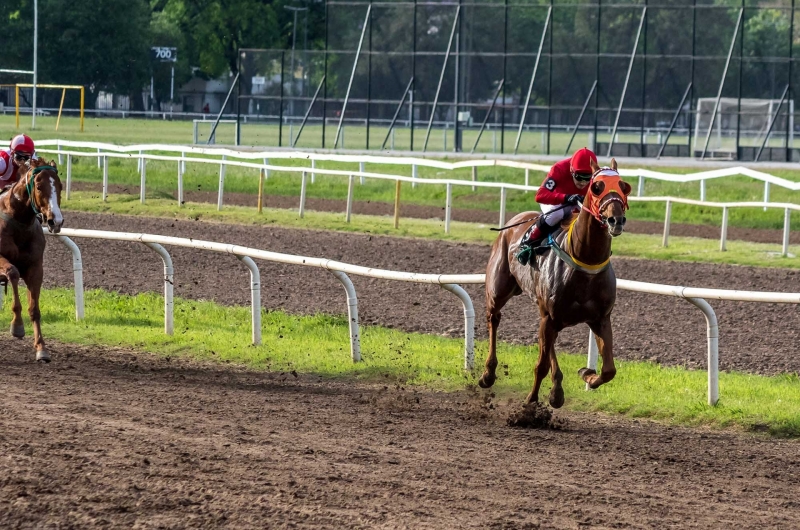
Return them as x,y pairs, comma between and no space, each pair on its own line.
33,279
547,339
605,344
12,275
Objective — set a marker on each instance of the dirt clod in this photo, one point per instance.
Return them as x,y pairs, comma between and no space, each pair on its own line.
532,416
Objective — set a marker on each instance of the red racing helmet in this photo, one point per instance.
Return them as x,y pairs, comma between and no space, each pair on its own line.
23,144
581,161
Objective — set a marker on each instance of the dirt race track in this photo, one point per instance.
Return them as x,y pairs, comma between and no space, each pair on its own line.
110,438
115,439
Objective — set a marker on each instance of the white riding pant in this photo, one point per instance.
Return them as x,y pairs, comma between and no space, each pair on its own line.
555,213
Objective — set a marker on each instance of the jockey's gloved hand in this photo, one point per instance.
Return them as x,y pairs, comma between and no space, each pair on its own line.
574,198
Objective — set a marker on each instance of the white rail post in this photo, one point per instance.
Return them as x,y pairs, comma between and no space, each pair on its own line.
266,163
349,211
142,179
105,178
448,208
502,207
787,213
474,177
703,190
255,297
221,191
77,274
723,237
361,170
140,161
99,159
766,194
712,332
352,315
640,189
169,279
469,323
302,195
591,360
313,174
69,176
527,178
667,216
58,148
414,175
181,169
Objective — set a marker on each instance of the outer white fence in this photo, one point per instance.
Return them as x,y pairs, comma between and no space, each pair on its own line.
695,296
105,151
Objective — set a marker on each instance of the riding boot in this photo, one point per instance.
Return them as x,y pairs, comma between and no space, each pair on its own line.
532,239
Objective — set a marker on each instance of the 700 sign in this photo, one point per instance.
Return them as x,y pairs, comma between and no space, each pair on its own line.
163,54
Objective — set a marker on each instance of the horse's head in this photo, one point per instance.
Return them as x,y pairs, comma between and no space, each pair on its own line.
607,198
44,189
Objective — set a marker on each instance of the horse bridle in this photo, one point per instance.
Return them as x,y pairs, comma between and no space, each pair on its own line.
602,219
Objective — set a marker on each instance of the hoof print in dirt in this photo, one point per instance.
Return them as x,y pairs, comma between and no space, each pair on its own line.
532,416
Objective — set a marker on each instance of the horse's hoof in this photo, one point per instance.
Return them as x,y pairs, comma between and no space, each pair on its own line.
43,356
584,372
557,397
18,331
486,381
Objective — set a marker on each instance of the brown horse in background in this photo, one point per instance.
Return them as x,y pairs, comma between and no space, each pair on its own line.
583,290
36,195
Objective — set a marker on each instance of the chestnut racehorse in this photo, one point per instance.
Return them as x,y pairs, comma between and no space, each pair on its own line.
37,194
571,284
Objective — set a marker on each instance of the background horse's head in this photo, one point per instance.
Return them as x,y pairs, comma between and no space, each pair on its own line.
44,189
607,199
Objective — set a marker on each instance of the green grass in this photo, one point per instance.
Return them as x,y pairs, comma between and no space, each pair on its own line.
319,344
627,245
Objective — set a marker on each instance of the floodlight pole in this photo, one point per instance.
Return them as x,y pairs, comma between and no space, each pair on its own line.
294,39
352,76
722,83
441,78
627,79
35,58
533,78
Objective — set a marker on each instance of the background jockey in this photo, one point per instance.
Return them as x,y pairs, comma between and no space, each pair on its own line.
20,151
564,187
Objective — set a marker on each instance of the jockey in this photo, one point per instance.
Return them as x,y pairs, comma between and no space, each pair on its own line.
564,187
20,151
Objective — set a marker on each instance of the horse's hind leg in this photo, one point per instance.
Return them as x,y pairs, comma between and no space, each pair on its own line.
33,279
12,275
603,335
547,339
500,288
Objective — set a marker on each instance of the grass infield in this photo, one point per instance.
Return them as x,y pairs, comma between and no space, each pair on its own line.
205,330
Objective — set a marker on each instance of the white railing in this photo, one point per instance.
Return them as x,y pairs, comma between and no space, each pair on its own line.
695,296
106,151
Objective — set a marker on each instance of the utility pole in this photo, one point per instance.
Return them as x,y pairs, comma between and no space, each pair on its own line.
35,56
291,61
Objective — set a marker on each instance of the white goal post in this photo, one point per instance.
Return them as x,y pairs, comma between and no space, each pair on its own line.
196,135
753,123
